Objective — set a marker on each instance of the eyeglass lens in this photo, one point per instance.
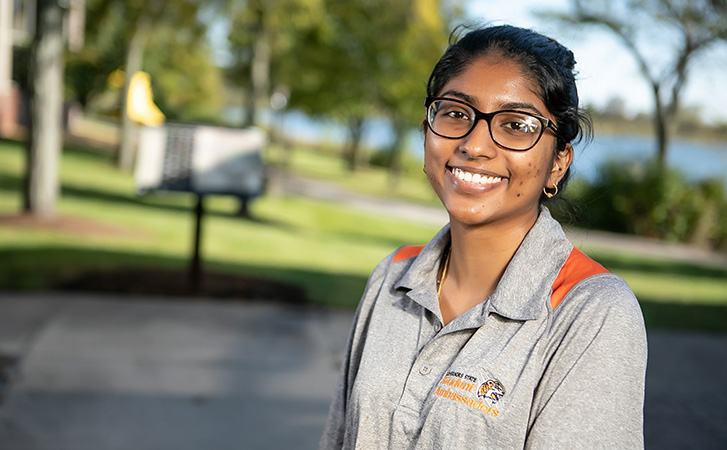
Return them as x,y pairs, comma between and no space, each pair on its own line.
513,130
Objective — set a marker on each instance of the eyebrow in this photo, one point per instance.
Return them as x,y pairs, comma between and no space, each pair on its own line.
473,101
460,95
521,105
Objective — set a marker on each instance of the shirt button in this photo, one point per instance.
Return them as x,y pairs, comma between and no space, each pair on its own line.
437,327
424,370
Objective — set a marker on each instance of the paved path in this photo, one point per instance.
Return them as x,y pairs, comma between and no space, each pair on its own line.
111,372
584,239
102,373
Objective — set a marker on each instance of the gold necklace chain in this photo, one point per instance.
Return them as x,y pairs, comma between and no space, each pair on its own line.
440,282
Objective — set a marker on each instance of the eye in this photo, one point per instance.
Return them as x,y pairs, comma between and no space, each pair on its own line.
520,124
455,113
445,110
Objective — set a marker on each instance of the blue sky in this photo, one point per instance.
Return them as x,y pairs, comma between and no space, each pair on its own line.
605,68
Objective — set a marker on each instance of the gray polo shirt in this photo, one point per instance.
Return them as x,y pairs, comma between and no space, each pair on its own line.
519,370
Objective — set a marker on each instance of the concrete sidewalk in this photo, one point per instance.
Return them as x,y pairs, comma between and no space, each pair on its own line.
111,372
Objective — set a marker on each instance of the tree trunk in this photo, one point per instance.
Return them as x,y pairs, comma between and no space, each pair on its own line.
662,140
397,150
354,153
129,129
259,85
46,109
660,128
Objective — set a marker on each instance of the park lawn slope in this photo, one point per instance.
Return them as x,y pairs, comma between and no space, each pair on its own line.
326,249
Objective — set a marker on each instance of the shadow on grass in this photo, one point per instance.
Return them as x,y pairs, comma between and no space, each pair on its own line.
136,273
74,269
679,316
183,202
616,264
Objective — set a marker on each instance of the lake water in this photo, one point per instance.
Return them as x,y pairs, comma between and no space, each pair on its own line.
698,160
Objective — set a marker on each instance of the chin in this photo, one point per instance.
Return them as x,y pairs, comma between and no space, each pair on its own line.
470,216
492,216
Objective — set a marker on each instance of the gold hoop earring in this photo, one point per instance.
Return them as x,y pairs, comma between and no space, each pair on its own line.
551,194
424,169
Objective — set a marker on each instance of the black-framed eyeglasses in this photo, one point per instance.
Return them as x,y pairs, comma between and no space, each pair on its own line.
510,129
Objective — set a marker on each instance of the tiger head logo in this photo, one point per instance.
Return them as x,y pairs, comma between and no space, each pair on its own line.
491,390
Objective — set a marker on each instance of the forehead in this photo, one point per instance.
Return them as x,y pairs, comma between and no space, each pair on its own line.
492,81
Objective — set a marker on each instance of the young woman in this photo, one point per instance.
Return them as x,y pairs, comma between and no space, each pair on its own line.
498,333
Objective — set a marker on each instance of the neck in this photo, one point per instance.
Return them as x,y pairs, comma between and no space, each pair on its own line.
479,256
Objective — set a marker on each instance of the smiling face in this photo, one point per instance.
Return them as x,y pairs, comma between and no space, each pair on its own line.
478,181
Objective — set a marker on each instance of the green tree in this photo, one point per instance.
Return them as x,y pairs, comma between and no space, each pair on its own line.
187,85
369,59
142,19
264,38
690,26
87,70
346,61
420,40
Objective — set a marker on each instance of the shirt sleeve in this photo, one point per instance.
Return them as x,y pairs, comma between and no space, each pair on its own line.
591,394
334,431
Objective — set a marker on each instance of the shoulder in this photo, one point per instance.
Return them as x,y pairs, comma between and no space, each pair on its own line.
587,294
388,271
577,267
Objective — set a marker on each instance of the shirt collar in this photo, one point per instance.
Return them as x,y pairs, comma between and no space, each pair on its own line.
525,287
421,277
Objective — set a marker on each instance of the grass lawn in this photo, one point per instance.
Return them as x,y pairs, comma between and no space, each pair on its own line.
372,181
326,249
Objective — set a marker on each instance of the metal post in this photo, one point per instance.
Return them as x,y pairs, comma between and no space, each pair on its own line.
195,268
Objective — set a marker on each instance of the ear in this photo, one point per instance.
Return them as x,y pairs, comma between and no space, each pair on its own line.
561,162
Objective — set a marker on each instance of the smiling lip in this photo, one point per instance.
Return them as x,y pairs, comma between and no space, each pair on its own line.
474,178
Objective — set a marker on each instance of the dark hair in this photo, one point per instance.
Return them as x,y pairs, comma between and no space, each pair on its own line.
550,63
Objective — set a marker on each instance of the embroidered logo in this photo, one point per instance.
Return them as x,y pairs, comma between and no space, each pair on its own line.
492,391
460,387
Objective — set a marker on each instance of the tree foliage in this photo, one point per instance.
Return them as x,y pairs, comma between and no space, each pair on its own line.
187,85
664,37
264,35
166,35
347,61
111,25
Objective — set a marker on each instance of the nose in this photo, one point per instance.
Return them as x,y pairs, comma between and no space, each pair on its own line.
479,142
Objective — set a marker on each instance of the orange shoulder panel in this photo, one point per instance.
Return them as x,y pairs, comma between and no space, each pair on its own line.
577,267
407,252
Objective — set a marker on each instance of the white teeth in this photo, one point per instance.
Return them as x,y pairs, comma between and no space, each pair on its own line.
475,177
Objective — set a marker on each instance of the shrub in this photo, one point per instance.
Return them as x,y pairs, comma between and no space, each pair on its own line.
641,198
